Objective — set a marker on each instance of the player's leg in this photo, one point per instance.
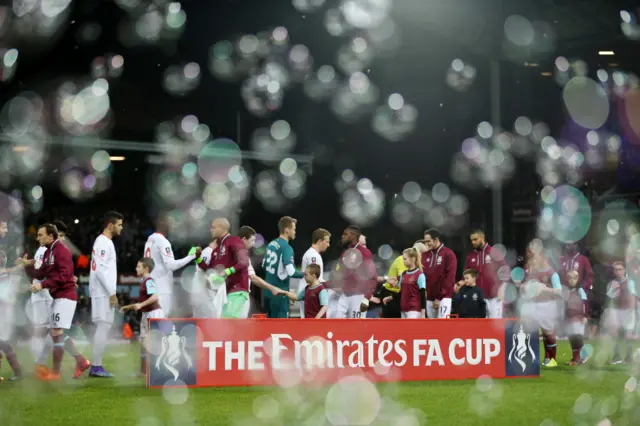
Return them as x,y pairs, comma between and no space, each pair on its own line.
628,323
6,331
445,308
102,315
342,309
494,308
301,286
334,298
61,319
431,311
237,305
166,303
354,302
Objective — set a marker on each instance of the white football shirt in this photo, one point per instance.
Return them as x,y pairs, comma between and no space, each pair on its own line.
103,274
159,249
44,293
311,257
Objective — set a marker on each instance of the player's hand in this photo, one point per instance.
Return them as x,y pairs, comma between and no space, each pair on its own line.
278,291
125,309
393,281
364,305
436,304
137,306
75,280
113,300
36,287
387,299
198,252
584,320
374,299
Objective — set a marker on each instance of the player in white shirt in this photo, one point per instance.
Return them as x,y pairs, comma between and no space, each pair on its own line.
7,320
320,239
103,283
159,249
40,312
202,295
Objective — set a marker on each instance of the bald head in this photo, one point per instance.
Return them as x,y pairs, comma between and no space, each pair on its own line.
219,228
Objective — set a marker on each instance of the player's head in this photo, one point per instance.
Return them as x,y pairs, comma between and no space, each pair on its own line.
432,239
219,228
312,273
470,276
4,228
62,229
571,248
351,235
47,234
144,267
113,223
321,239
572,278
3,259
287,227
420,246
619,270
248,235
411,258
477,238
362,240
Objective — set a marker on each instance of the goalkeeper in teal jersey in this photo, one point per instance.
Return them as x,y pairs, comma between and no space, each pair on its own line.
279,268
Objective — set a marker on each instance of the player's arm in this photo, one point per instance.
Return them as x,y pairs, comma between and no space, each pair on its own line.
588,275
292,296
324,303
389,298
171,263
62,258
482,304
102,267
287,261
372,274
259,282
422,286
241,256
152,292
449,278
556,284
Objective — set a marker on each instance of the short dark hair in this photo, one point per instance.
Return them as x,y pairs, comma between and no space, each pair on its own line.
148,263
285,222
434,233
476,231
355,229
471,272
319,235
112,217
314,270
246,232
50,229
60,226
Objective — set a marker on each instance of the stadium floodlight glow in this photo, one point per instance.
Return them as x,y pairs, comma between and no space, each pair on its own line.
606,53
116,158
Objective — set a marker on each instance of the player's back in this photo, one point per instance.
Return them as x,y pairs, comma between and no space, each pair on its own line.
274,263
157,248
44,293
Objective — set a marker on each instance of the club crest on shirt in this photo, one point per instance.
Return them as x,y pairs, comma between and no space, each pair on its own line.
576,266
102,253
439,260
167,250
487,259
313,260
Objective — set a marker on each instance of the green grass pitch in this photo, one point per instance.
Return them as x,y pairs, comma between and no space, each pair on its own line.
587,395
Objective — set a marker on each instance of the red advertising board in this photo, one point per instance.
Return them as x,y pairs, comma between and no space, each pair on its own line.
227,352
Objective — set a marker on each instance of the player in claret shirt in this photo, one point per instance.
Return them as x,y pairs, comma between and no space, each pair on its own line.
619,315
314,295
149,306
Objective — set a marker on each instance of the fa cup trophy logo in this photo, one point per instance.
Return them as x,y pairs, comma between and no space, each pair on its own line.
173,348
521,345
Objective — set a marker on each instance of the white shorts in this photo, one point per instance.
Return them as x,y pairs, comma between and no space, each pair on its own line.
39,312
334,298
166,303
494,308
62,312
144,322
349,306
574,328
101,310
412,315
542,315
7,321
615,319
442,312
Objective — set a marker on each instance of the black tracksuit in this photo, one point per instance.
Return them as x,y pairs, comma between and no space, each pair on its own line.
469,303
